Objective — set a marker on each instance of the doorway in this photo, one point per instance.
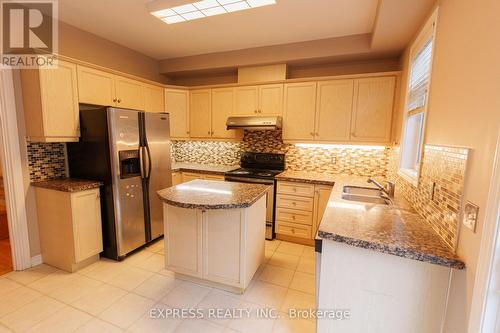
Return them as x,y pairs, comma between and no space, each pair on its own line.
5,249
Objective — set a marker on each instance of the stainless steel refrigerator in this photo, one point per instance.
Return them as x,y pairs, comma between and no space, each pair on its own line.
129,151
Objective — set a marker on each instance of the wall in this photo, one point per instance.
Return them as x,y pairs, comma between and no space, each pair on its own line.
464,110
84,46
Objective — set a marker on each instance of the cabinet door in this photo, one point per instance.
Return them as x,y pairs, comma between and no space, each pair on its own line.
87,227
298,115
321,196
333,111
183,252
129,93
200,113
95,87
153,98
176,178
222,232
246,100
271,99
177,105
186,176
371,119
213,177
222,108
59,95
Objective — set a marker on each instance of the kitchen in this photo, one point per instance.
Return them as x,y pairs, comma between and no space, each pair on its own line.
330,165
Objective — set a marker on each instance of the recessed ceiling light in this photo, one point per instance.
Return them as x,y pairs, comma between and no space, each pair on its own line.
203,8
234,7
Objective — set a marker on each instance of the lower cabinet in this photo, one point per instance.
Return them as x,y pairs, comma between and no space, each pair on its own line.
176,178
300,208
70,227
182,177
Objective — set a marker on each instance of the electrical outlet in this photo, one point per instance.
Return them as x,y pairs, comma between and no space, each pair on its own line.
470,215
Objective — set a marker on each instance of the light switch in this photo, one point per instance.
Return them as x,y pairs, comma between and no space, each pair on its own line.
470,215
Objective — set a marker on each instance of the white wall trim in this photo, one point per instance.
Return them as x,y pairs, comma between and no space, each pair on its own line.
489,241
36,260
13,177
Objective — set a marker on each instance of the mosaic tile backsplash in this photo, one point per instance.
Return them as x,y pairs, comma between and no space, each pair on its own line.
365,162
46,160
443,168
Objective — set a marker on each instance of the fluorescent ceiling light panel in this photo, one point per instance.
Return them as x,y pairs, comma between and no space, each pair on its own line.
234,7
205,8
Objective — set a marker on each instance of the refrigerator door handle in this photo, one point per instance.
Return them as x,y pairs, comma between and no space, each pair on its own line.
141,161
148,161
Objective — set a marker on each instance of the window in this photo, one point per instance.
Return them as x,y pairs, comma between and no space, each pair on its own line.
419,75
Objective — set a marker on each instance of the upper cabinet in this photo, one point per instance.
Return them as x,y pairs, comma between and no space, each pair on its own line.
372,114
50,99
177,105
299,110
222,108
129,93
351,110
333,110
259,100
154,100
95,87
200,109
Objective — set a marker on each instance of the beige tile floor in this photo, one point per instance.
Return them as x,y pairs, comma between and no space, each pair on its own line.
113,296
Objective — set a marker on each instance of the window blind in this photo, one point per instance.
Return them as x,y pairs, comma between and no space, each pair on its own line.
419,77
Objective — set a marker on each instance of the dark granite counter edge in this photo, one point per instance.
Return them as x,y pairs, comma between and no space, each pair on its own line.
400,252
212,206
302,180
210,172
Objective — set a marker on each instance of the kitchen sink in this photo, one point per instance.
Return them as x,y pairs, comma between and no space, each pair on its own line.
356,190
364,194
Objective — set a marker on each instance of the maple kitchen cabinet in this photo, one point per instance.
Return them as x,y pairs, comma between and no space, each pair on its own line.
103,88
177,106
154,100
349,110
200,113
222,108
50,99
265,100
70,227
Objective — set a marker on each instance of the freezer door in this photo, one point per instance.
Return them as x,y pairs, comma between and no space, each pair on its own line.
126,172
160,177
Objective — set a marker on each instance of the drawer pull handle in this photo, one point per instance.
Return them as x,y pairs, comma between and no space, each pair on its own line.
293,230
294,203
293,217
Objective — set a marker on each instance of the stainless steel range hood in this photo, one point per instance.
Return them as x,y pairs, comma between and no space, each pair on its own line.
254,123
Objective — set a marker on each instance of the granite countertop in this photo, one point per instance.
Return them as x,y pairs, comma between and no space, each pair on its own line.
307,177
203,168
68,184
212,194
394,229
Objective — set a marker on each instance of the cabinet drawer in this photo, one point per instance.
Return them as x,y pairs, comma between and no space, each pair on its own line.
293,229
294,202
293,216
301,189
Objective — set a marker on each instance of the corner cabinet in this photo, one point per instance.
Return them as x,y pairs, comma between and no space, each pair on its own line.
339,111
177,105
50,99
70,227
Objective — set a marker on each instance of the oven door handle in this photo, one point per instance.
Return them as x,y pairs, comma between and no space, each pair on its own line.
249,180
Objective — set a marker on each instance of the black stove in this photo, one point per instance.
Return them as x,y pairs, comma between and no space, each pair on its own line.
260,168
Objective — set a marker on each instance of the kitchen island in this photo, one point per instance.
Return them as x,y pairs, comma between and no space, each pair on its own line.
215,231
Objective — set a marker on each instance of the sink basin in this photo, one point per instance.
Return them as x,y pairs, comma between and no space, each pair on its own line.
356,190
366,198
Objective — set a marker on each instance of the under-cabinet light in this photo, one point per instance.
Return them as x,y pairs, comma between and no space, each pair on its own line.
205,8
338,146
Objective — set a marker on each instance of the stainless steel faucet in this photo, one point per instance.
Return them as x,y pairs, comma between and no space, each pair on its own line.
388,189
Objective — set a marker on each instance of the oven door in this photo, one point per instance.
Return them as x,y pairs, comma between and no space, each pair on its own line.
270,234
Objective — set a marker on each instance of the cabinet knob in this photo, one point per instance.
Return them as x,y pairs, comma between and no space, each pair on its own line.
187,132
119,100
293,217
312,133
254,111
208,132
293,230
114,99
294,203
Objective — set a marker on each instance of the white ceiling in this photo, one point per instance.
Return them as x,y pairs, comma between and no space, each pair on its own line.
128,22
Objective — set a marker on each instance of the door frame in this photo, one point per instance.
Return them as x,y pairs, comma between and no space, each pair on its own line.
12,173
479,320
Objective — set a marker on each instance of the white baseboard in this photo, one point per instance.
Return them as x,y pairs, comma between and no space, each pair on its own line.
36,260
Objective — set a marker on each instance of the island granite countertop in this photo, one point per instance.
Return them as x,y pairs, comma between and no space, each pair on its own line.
212,194
393,229
307,177
203,168
68,184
